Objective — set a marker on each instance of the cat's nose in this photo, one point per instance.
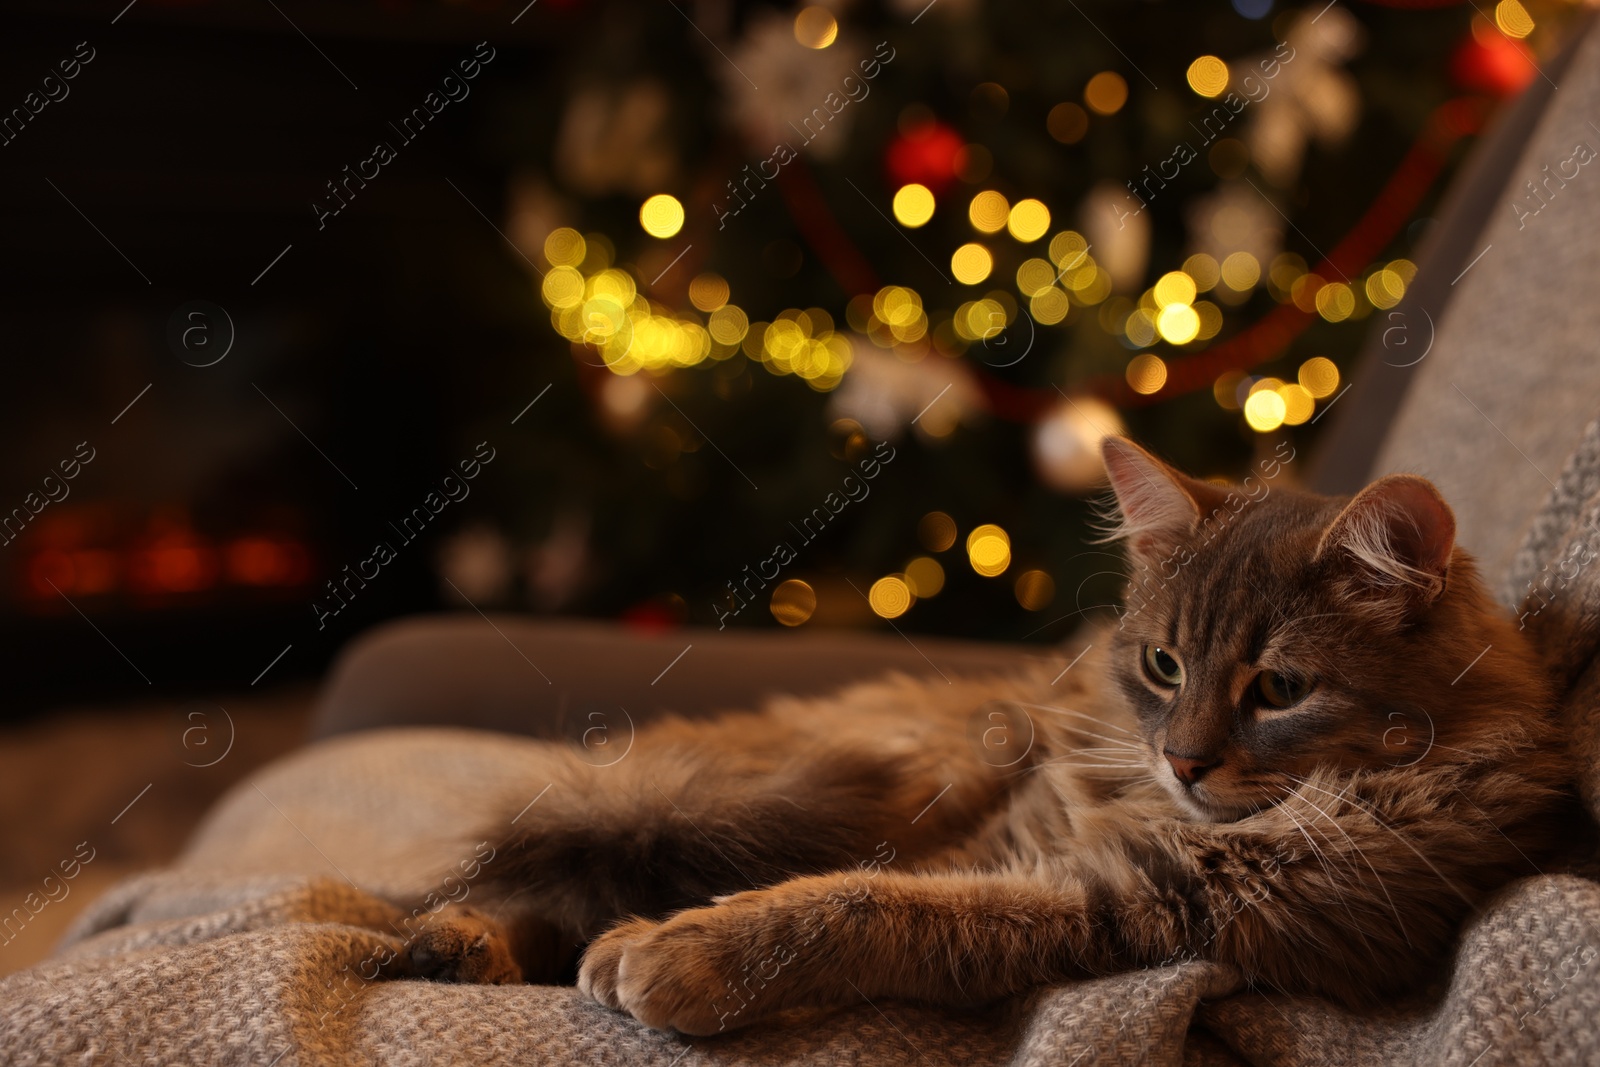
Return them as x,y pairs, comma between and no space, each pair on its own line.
1188,769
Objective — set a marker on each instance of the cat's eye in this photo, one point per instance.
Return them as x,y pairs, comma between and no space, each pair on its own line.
1279,690
1162,666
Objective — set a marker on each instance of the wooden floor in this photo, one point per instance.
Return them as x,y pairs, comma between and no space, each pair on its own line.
128,782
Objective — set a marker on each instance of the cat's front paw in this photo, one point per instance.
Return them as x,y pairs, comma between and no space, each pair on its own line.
703,971
463,945
597,974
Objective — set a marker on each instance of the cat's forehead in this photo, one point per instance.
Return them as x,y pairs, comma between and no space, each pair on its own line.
1238,572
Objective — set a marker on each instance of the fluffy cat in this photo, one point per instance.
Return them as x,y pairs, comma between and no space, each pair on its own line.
1310,748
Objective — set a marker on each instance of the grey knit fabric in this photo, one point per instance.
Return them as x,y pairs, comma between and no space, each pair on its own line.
1510,378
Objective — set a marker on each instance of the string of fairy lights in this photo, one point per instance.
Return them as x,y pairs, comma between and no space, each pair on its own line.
598,306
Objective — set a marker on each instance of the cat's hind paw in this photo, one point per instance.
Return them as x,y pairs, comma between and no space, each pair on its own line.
463,946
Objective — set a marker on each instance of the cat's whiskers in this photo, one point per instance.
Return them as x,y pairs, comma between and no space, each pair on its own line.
1321,855
1400,922
1348,798
1081,714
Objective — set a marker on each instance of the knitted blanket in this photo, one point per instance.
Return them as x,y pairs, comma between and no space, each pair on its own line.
258,946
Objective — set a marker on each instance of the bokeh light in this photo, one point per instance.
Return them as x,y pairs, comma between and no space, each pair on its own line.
1335,301
1174,287
793,602
1264,410
815,27
1178,324
1298,405
1204,270
1067,123
661,215
989,211
1208,76
1035,590
564,247
1106,92
1319,377
1241,271
708,291
1146,373
1028,220
1512,19
890,596
913,205
989,550
971,264
936,531
925,577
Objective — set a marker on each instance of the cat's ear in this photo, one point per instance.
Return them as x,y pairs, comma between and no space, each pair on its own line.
1400,533
1156,506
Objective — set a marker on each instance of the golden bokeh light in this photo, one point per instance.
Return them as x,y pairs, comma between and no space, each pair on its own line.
565,247
1264,410
1241,272
989,550
1035,590
1210,319
1028,220
936,531
1069,250
1204,270
1067,123
971,263
661,215
1146,373
1106,93
913,205
1335,301
1512,19
1178,324
563,287
925,577
1319,377
728,325
890,596
989,211
708,291
1384,288
1140,327
1049,306
815,27
1174,287
793,602
1298,405
1035,276
1226,389
1208,76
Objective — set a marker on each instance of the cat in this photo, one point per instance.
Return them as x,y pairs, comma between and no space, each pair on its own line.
1309,749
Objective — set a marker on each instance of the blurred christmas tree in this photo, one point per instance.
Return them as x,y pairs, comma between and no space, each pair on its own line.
770,238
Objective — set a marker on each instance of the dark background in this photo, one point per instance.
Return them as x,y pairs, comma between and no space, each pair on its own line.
411,328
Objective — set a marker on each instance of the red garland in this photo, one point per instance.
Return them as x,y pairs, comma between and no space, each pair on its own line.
1260,343
1267,339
